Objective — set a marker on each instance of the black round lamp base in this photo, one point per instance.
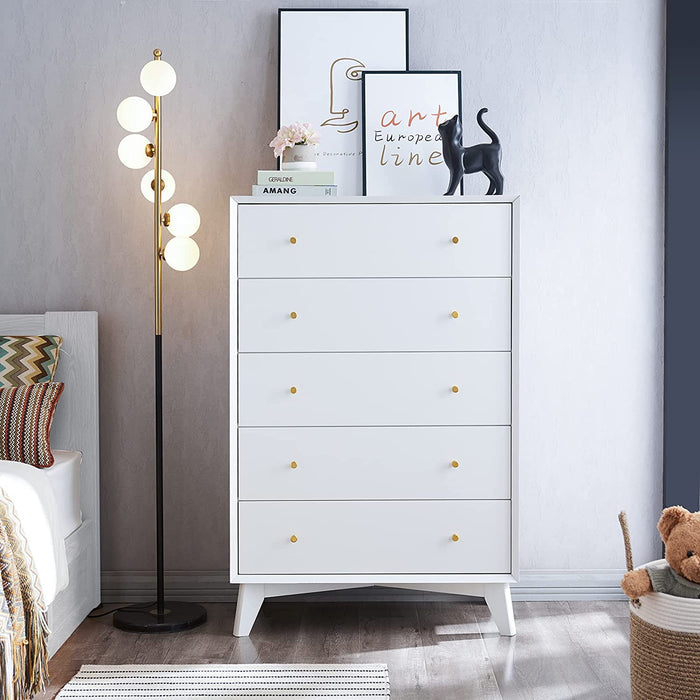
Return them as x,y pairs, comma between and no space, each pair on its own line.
145,618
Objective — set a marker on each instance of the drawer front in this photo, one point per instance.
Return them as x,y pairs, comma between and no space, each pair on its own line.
324,389
287,464
374,537
374,240
303,315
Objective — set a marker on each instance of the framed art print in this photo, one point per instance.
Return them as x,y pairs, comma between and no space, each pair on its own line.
322,54
401,143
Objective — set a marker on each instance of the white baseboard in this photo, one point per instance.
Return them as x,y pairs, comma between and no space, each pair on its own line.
214,587
567,584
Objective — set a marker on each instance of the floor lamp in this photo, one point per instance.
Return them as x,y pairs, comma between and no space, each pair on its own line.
181,253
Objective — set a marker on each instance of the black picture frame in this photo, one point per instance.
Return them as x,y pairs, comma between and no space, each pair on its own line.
457,73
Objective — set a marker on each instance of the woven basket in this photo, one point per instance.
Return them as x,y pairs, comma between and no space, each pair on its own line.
664,643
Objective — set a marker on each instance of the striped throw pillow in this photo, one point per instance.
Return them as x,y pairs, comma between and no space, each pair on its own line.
28,359
26,413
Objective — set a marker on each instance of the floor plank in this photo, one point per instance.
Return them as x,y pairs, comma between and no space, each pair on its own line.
547,660
435,651
456,659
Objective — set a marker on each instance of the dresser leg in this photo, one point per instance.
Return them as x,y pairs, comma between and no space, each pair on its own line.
250,598
498,599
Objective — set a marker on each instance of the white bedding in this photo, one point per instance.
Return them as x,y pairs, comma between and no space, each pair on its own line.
35,504
64,477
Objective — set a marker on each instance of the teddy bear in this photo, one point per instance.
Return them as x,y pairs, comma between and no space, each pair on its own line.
679,574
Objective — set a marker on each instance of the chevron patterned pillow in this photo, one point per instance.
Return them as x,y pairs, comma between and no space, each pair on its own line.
26,413
28,359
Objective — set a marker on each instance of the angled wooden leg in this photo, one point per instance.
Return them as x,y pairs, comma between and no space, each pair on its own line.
250,599
498,599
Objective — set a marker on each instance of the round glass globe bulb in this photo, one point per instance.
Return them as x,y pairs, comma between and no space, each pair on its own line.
181,253
184,220
147,189
134,114
132,151
158,78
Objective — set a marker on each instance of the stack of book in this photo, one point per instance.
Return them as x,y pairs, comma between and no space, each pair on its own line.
295,183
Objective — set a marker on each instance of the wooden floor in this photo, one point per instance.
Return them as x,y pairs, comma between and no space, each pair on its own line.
440,651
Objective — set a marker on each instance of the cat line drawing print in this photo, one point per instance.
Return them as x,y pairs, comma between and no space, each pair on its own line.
339,71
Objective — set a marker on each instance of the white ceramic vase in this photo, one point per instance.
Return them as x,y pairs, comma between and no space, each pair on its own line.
299,157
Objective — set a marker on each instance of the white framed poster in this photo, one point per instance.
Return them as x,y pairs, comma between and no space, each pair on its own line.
322,54
401,143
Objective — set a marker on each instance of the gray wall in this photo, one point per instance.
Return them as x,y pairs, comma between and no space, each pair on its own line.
575,90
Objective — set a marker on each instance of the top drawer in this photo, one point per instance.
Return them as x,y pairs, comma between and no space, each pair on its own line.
374,240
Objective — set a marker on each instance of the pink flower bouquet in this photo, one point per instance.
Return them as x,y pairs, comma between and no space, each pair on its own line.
295,134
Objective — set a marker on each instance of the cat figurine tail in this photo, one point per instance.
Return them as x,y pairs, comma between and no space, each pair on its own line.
480,121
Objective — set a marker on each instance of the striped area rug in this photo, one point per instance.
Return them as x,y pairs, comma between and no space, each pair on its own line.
233,681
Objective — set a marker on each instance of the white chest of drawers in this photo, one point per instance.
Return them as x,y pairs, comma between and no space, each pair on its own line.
374,397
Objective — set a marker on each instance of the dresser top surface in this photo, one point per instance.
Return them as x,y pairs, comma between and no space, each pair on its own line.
283,199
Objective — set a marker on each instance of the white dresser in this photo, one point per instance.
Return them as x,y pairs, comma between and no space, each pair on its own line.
374,397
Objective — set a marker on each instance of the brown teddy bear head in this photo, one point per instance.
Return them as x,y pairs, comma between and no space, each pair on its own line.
680,531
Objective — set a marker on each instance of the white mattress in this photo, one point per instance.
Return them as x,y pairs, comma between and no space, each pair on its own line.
64,478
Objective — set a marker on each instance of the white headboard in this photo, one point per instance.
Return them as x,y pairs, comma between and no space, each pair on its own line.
76,422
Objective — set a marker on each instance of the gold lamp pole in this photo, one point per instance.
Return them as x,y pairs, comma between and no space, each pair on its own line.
157,206
181,253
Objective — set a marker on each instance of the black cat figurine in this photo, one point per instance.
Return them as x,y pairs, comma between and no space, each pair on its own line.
484,157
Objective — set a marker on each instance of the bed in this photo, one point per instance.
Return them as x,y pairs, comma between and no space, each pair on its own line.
74,477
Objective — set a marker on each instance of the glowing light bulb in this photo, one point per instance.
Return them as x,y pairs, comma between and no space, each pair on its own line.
134,114
132,151
158,78
181,253
184,220
166,193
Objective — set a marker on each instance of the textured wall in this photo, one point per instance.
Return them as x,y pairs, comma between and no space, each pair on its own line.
575,90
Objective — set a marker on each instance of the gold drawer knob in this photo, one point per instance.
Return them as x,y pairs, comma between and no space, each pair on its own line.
293,314
293,465
455,389
455,463
455,314
455,239
292,240
455,538
293,538
293,390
